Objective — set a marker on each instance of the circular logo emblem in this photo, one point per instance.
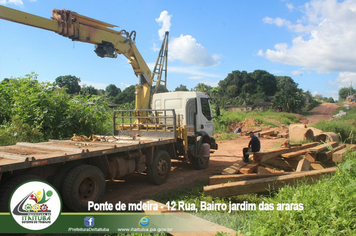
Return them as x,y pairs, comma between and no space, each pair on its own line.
35,205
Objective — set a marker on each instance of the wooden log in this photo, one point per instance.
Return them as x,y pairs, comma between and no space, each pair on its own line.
263,156
234,169
327,155
268,133
265,184
338,155
219,179
320,148
294,154
303,165
250,168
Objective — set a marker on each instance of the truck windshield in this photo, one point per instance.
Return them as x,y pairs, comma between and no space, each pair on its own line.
205,108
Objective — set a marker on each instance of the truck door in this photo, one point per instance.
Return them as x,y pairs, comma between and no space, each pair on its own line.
204,116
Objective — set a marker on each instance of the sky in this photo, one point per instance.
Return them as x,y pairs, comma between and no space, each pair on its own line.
313,42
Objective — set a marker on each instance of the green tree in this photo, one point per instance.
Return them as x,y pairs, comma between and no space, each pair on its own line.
112,90
88,90
345,91
70,82
182,88
201,87
288,98
126,96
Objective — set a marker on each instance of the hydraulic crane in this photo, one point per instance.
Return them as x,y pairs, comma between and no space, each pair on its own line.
108,43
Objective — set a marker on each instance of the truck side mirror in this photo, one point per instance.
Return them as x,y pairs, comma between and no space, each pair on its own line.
217,111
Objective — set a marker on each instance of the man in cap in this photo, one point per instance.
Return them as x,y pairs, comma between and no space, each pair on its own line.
253,146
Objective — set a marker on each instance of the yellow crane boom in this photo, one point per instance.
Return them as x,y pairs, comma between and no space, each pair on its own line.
109,42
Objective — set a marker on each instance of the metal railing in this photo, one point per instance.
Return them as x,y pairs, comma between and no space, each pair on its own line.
159,123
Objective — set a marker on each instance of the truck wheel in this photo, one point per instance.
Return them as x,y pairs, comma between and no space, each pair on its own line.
200,161
83,183
158,172
61,174
9,187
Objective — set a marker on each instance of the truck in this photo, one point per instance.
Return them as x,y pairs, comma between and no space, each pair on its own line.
172,125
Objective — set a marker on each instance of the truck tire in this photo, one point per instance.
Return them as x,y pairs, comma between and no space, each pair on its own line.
61,174
158,172
199,162
9,187
83,183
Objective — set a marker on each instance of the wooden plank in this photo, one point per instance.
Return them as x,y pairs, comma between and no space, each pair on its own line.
309,157
219,179
327,155
234,169
268,170
263,156
316,166
189,224
303,165
321,148
265,184
294,154
250,168
268,132
338,155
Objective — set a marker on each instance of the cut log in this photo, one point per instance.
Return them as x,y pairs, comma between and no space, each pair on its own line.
338,155
234,169
219,179
250,168
325,156
303,165
265,184
268,133
263,156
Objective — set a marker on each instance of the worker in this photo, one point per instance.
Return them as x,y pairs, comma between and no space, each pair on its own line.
238,129
253,146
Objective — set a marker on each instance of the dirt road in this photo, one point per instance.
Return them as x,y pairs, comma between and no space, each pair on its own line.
322,112
136,187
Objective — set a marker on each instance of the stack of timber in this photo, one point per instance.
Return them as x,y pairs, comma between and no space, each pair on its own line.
273,169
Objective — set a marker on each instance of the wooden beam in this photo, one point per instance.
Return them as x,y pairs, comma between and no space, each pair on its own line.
316,166
234,169
325,156
219,179
303,165
294,154
338,155
268,170
309,157
320,148
263,156
250,168
265,184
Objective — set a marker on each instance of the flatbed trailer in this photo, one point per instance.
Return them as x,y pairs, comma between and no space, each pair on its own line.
78,168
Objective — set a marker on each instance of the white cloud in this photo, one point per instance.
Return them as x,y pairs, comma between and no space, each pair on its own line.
290,6
165,21
95,85
345,79
297,72
186,49
325,37
16,2
195,73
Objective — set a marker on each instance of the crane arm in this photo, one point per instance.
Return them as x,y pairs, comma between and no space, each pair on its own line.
108,42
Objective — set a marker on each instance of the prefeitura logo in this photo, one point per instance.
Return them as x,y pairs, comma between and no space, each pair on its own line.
35,205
